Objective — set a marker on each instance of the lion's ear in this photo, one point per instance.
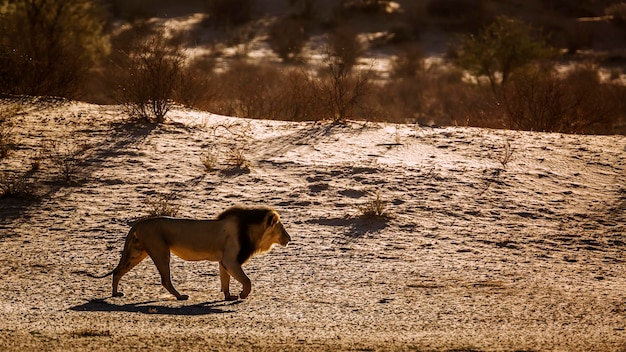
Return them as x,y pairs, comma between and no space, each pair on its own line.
272,220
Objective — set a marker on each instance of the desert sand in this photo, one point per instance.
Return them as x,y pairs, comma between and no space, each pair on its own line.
480,251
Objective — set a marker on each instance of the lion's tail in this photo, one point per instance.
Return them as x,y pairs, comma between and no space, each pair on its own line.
100,276
122,259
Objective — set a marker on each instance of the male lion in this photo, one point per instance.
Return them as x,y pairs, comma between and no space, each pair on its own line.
234,237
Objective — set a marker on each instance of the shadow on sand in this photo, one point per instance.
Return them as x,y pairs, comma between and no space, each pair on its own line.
153,307
356,227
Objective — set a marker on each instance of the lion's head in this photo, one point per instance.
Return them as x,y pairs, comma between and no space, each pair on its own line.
259,229
275,230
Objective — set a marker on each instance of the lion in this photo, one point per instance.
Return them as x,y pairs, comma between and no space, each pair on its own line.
232,239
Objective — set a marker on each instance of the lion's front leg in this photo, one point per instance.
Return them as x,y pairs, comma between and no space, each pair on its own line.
234,268
225,280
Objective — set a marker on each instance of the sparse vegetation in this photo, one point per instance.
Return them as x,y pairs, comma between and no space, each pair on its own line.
541,99
505,155
617,13
7,136
209,160
163,205
341,90
67,157
152,70
236,158
16,186
7,140
375,208
150,76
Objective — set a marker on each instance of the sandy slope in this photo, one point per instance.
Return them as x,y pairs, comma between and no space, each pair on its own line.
476,257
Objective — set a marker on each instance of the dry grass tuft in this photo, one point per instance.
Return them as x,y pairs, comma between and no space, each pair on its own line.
375,209
91,333
237,159
163,205
209,160
16,186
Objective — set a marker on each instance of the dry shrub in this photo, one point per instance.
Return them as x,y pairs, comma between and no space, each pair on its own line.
248,90
209,160
7,135
303,9
7,140
67,157
341,90
163,205
409,62
236,158
198,85
375,208
151,73
539,99
266,91
16,186
433,96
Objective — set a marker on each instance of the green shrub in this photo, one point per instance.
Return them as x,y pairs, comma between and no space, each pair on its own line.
500,48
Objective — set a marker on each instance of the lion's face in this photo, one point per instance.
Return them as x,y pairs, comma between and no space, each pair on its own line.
284,237
276,231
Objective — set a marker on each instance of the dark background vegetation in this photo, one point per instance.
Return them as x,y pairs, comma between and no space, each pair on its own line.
533,65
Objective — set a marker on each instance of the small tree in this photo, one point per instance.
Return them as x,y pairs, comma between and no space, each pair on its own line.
340,89
151,73
500,48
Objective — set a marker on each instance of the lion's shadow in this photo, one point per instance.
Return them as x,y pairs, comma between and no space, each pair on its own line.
152,307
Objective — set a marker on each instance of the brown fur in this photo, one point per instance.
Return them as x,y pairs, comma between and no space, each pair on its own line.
231,239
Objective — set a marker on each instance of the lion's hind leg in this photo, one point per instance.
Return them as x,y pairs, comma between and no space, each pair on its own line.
133,254
161,258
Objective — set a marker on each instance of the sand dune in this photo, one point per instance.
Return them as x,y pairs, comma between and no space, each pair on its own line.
479,252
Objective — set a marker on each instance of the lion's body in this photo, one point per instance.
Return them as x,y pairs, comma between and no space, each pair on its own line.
231,239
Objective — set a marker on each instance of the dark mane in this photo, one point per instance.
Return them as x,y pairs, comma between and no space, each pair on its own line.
245,217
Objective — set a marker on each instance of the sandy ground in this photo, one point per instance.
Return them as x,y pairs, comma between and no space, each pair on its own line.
480,253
